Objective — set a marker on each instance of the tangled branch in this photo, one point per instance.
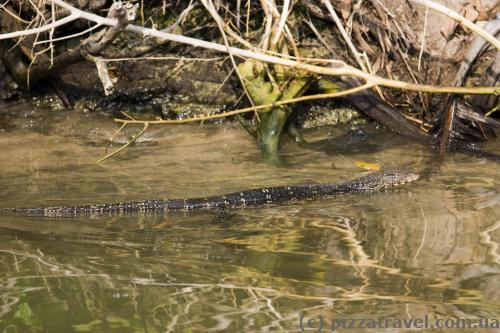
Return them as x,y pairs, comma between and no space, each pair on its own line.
340,69
275,29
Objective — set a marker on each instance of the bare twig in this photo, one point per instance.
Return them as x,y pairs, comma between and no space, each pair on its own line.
134,138
344,34
422,45
103,73
72,17
318,35
339,70
211,9
282,21
163,58
68,36
6,9
245,110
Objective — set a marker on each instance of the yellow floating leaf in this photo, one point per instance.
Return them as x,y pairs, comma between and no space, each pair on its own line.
367,166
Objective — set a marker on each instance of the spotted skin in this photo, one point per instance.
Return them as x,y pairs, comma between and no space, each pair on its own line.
247,198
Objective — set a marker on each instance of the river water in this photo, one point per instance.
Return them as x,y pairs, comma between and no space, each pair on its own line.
428,250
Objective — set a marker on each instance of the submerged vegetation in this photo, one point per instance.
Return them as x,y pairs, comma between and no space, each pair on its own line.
278,54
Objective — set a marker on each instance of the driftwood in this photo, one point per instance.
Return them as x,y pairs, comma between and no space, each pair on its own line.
371,105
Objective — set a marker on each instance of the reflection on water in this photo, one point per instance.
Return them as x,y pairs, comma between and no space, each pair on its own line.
430,248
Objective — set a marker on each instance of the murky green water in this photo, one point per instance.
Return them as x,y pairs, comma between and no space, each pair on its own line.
427,249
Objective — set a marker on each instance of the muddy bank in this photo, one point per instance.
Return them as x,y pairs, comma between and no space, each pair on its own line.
395,40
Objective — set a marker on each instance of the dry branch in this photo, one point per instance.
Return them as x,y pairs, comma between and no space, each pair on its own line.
341,69
92,46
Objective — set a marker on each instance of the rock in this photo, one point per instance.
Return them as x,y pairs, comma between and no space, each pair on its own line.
8,87
329,113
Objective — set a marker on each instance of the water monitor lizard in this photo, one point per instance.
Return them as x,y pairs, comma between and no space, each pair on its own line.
255,197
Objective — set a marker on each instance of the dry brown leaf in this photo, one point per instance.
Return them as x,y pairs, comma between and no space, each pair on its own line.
344,7
367,166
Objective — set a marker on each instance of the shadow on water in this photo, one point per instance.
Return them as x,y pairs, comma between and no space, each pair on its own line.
429,248
360,140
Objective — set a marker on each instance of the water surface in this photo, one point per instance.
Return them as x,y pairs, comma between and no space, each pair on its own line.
429,248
